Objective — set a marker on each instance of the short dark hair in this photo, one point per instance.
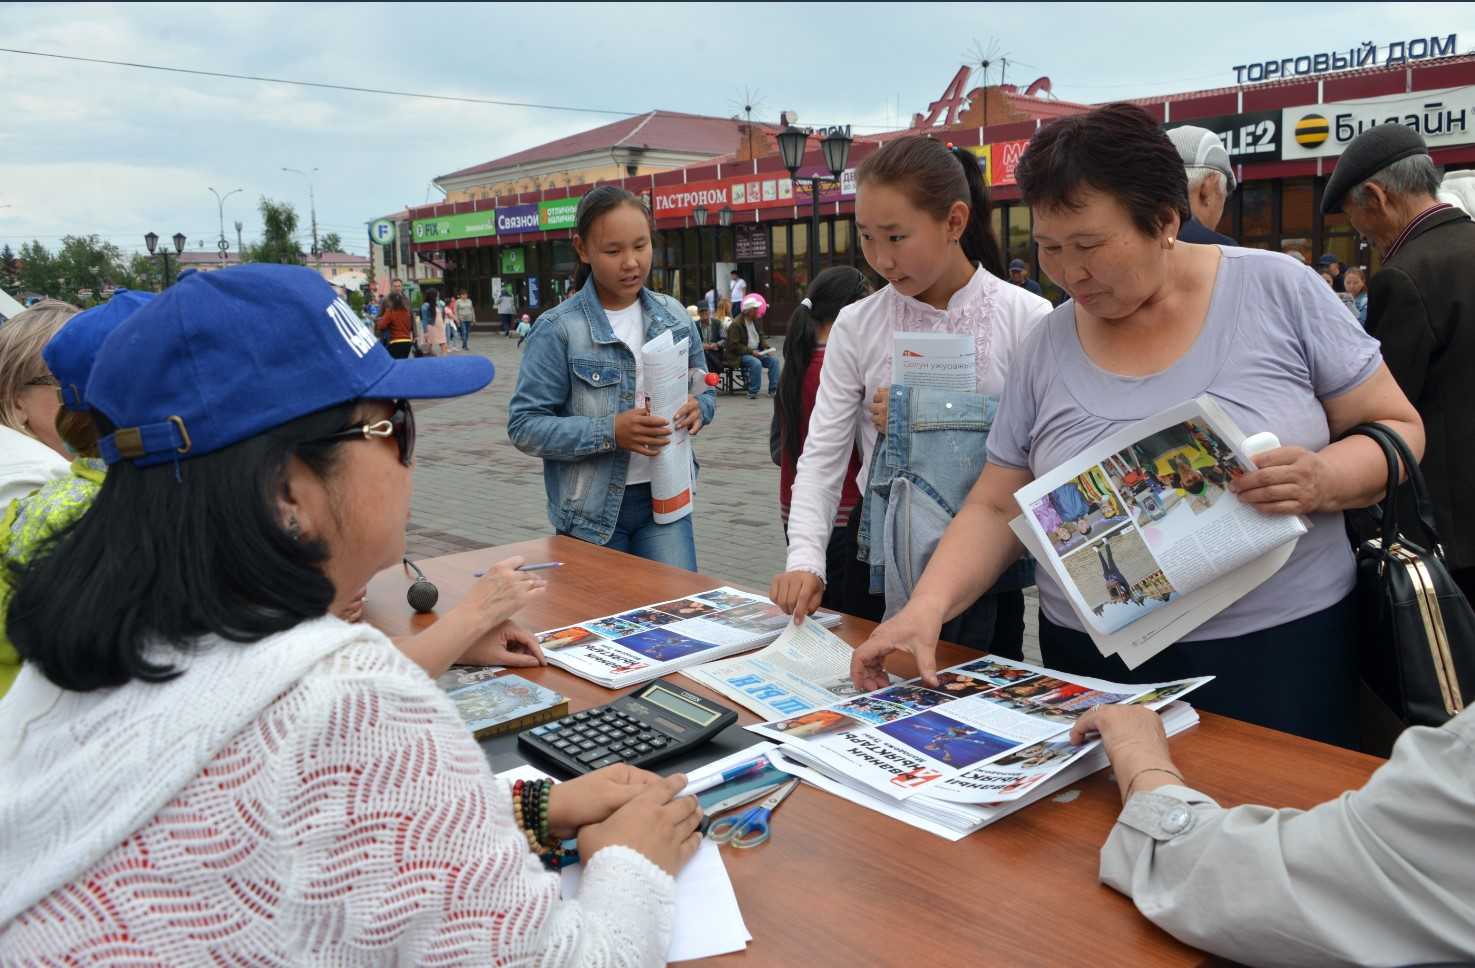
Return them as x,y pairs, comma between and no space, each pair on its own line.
170,553
1117,149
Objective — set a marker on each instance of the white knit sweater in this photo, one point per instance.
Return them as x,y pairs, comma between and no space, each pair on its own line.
312,798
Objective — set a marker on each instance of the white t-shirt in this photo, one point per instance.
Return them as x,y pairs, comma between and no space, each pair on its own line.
629,327
997,314
26,464
753,338
738,291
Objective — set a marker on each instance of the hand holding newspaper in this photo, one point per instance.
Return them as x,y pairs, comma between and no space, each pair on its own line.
663,363
1144,536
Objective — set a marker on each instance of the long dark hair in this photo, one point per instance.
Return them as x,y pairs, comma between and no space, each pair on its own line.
160,560
395,301
832,290
934,176
594,206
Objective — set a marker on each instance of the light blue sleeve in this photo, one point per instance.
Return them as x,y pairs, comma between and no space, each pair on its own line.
535,424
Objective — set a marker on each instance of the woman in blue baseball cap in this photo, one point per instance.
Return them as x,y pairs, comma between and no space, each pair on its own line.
223,769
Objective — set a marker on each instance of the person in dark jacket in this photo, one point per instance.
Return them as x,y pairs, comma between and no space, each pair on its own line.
1421,305
1210,183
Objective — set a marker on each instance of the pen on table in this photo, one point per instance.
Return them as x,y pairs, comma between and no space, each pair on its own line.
737,772
536,566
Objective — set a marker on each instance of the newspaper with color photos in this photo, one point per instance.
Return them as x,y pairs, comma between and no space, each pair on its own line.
807,667
990,731
1143,534
648,642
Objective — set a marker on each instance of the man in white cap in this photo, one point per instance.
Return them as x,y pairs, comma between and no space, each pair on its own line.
1421,305
1210,182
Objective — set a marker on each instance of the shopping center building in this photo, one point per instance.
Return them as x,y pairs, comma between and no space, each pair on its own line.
737,210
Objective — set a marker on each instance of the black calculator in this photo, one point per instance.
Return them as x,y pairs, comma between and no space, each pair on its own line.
647,726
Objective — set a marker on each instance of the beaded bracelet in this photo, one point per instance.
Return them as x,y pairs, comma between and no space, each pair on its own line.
530,808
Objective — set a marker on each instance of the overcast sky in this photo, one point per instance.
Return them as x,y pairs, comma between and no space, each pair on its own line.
118,151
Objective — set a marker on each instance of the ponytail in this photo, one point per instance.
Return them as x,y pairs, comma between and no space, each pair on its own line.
978,241
933,177
592,207
832,290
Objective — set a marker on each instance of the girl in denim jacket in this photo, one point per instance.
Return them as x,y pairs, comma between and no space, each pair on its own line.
579,399
923,217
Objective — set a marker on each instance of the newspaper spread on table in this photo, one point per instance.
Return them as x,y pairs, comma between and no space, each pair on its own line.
647,642
1146,518
990,731
807,667
663,363
946,361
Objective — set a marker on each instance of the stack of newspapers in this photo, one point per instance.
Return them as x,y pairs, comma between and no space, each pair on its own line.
991,736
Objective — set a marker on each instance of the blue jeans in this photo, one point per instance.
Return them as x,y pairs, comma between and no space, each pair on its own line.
753,367
465,328
637,533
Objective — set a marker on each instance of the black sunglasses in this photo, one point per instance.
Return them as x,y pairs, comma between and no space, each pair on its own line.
400,426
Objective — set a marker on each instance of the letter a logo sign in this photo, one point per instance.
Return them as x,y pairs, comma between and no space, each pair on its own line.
951,102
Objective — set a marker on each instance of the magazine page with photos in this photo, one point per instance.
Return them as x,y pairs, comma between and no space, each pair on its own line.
990,731
806,667
648,642
1147,516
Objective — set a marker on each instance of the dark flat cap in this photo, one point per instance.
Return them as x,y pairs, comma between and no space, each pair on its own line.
1368,154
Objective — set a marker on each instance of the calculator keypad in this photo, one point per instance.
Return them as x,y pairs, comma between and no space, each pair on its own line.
597,738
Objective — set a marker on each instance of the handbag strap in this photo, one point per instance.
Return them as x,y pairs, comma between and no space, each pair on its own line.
1413,476
1388,513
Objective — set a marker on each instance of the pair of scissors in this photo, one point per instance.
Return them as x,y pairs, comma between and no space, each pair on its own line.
751,828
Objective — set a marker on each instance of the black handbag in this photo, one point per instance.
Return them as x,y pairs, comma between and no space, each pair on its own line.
1418,647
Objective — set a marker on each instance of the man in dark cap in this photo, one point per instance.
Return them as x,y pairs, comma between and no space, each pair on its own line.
1328,263
1421,305
1019,275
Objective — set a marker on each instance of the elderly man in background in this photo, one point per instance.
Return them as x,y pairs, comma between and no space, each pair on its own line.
1019,275
1421,305
1210,183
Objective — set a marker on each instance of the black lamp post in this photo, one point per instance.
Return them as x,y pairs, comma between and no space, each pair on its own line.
699,216
724,216
152,241
836,148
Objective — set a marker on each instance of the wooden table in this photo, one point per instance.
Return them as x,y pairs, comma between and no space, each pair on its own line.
839,884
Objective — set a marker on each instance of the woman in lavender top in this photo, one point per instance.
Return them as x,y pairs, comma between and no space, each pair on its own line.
1152,323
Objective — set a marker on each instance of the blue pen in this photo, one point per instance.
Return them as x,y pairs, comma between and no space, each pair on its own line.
706,783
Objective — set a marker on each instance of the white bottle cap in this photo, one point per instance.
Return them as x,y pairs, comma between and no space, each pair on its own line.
1261,442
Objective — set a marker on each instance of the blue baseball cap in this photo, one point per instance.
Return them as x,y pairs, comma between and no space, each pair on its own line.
69,354
223,356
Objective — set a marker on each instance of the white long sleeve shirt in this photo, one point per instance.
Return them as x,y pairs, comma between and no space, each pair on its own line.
1384,875
858,356
311,798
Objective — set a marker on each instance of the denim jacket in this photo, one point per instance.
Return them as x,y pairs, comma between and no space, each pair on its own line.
921,472
575,377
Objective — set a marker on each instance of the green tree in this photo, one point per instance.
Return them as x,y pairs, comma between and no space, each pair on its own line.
39,271
331,243
9,267
278,234
144,272
87,262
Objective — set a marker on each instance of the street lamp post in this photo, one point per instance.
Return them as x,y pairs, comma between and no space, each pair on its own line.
311,204
220,209
152,241
836,149
699,216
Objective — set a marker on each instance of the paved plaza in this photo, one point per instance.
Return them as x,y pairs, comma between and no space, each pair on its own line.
474,489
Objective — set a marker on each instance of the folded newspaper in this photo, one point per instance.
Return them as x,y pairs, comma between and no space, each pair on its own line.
945,361
648,642
990,731
663,366
1143,535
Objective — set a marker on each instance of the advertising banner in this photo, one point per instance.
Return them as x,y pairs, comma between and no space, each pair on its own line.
516,219
1249,137
559,214
445,228
1445,117
514,261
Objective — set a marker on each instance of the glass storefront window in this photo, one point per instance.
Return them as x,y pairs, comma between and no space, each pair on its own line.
843,228
726,244
689,247
824,237
779,241
1257,220
1296,214
564,257
1018,245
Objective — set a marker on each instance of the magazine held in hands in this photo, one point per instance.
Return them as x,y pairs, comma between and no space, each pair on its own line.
1143,534
648,642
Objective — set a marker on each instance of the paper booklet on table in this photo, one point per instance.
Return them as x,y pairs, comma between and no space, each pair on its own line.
663,367
807,667
991,730
648,642
954,821
1143,535
946,361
